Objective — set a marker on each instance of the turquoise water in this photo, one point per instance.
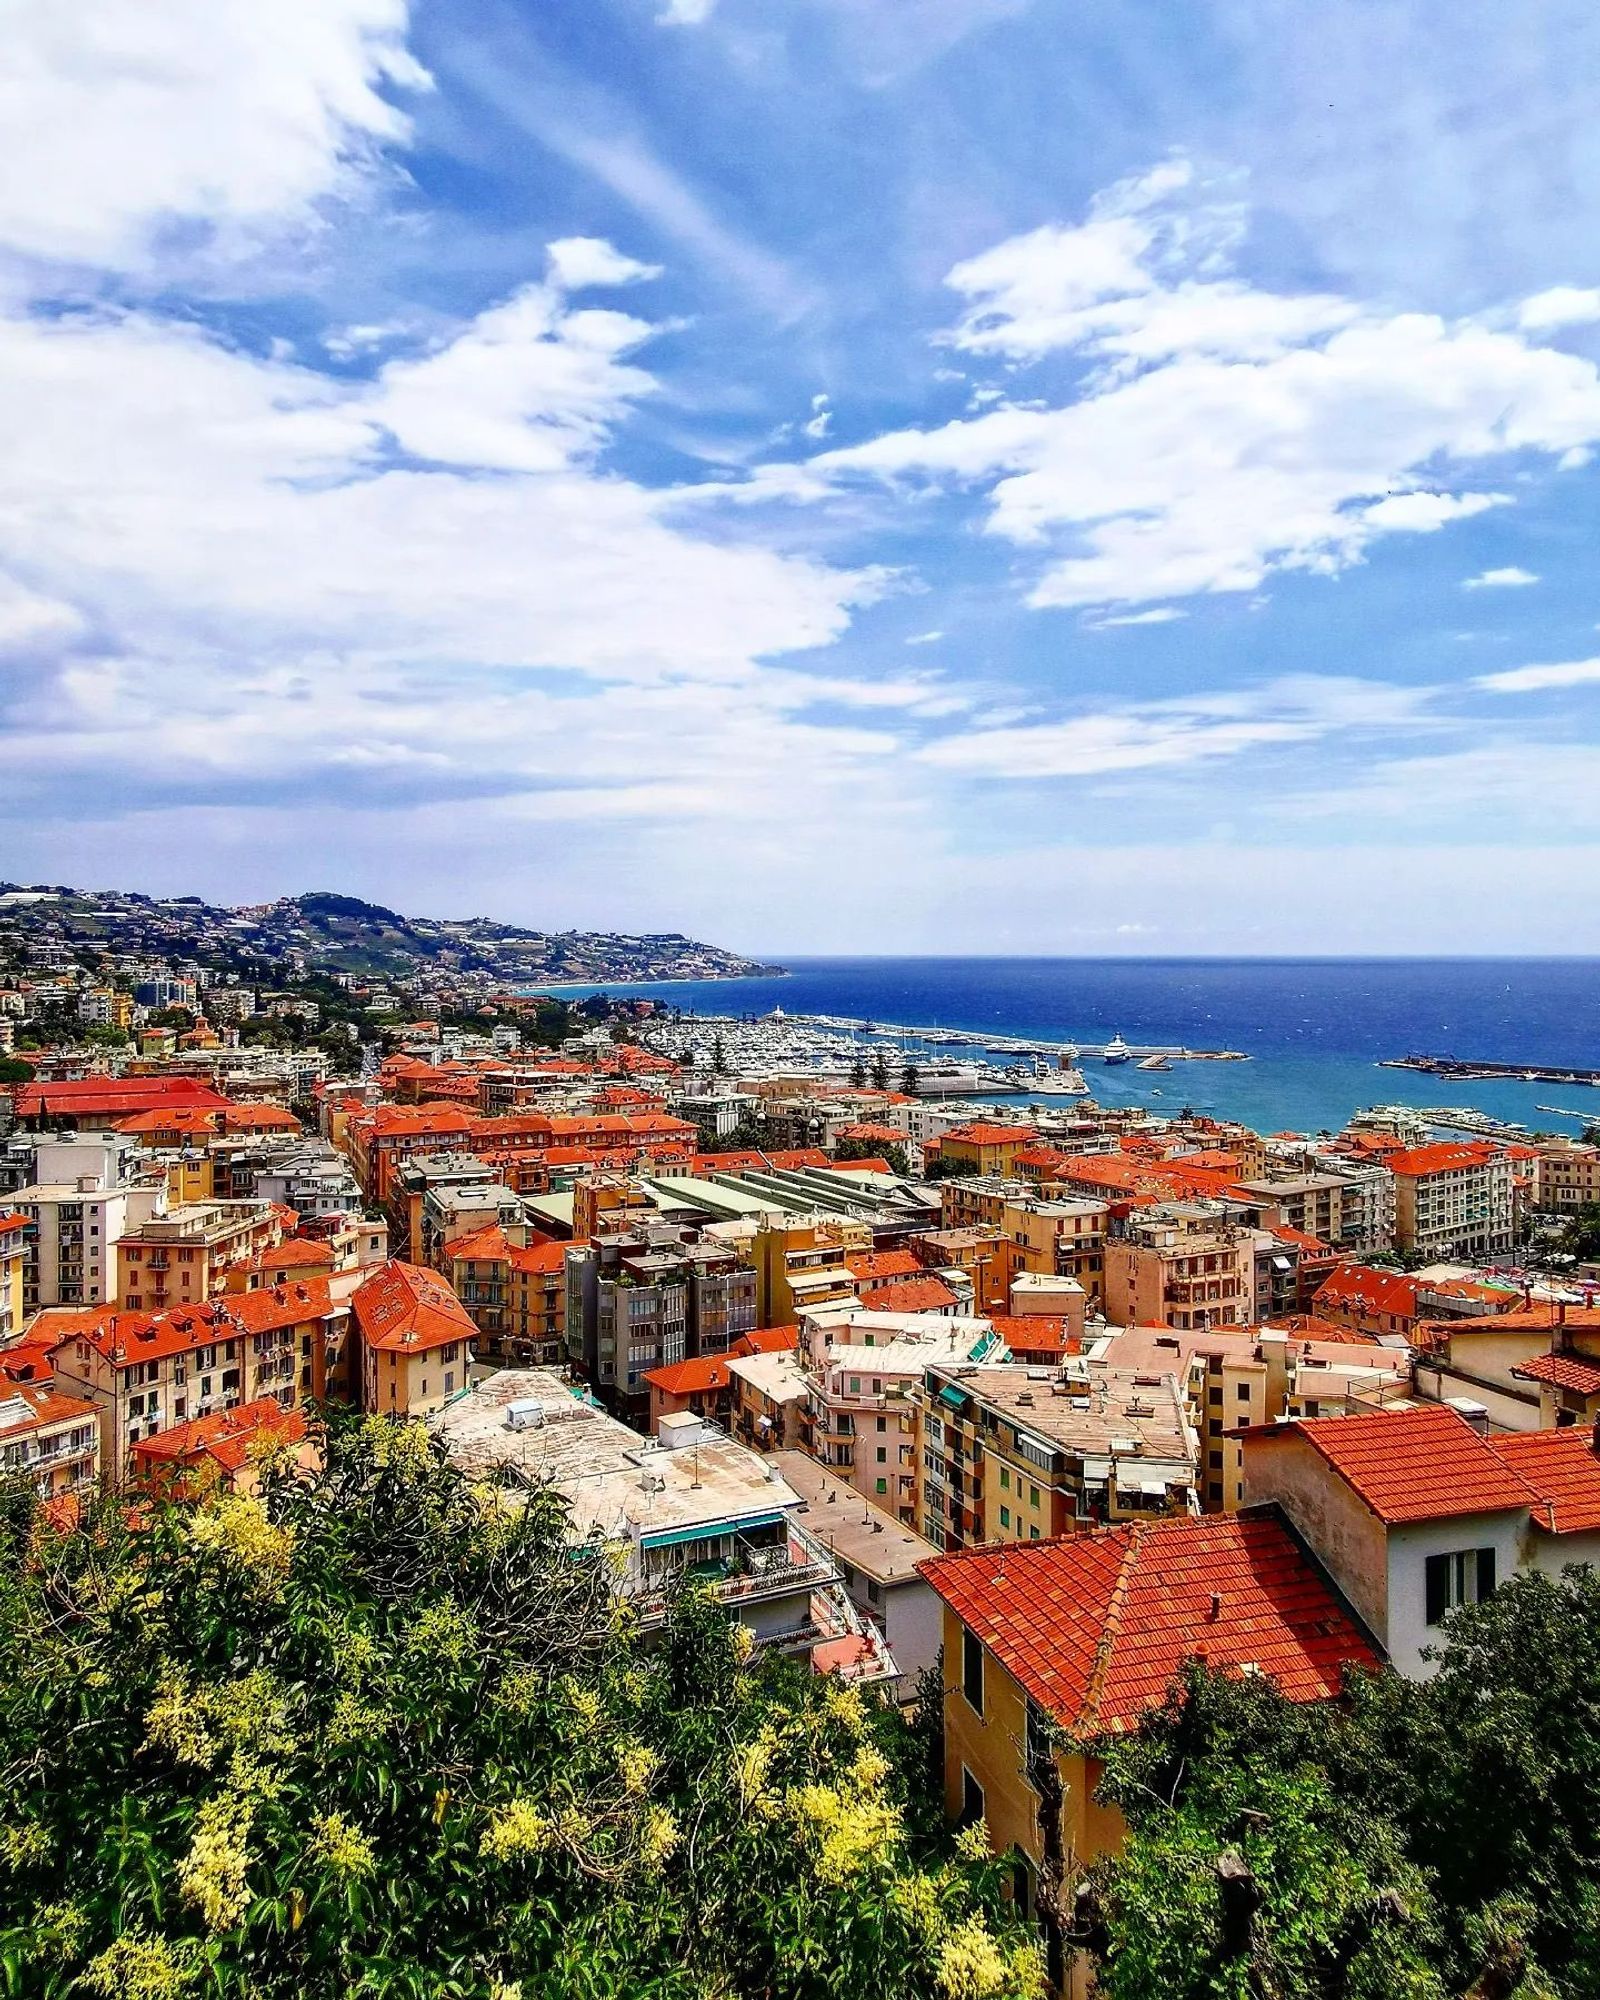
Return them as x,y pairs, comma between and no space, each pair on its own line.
1315,1029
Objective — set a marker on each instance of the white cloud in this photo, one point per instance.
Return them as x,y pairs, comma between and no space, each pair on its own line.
1510,578
120,121
1189,730
1563,305
1159,614
686,13
1534,680
1228,432
579,262
528,387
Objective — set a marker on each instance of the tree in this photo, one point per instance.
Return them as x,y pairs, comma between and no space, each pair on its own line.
106,1037
858,1074
375,1731
869,1149
1581,1236
880,1068
910,1079
14,1071
1419,1838
719,1057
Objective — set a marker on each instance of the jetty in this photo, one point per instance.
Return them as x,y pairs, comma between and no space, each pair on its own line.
1467,1069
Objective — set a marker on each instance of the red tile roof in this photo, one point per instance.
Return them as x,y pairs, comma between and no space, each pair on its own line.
1563,1470
699,1376
1447,1157
112,1096
869,1266
1041,1333
15,1221
1410,1465
1561,1371
43,1406
987,1132
30,1359
768,1340
540,1260
913,1295
1378,1290
402,1308
227,1437
1096,1627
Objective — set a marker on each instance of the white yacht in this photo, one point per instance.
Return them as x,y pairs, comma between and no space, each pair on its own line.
1117,1051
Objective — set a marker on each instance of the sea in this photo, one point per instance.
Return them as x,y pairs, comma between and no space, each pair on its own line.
1314,1029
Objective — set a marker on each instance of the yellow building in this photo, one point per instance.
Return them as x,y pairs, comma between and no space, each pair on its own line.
804,1264
1049,1236
13,1258
415,1341
1052,1648
984,1146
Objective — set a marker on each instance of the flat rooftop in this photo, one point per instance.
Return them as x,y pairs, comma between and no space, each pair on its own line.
1101,1413
855,1531
619,1484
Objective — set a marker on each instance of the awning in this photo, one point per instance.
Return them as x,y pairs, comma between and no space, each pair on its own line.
1143,1483
956,1398
1097,1468
705,1531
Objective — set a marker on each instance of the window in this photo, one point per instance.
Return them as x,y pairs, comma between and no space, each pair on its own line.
1464,1576
883,1423
971,1799
1005,1480
883,1455
972,1682
883,1485
1033,1496
1243,1392
1005,1517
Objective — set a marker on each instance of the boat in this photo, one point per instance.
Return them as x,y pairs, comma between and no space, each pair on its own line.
1117,1051
1153,1062
1057,1083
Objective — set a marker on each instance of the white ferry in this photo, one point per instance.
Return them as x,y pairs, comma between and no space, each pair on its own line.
1117,1051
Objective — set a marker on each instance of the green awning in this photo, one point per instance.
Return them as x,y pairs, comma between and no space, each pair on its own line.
671,1537
955,1397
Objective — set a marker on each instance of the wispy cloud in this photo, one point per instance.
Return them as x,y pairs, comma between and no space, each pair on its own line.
1536,679
1509,578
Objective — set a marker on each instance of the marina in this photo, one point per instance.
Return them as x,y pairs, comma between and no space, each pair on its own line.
1469,1071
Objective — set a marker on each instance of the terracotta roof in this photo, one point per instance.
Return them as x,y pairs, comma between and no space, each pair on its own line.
112,1096
987,1132
867,1266
1096,1627
1410,1465
540,1260
1562,1371
767,1340
288,1304
913,1295
44,1406
1563,1470
698,1376
1447,1157
403,1308
1027,1333
15,1221
226,1436
489,1244
30,1359
1379,1290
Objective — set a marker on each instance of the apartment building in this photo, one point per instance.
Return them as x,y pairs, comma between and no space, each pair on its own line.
221,1452
643,1299
984,1146
803,1262
146,1372
1021,1454
49,1437
1453,1200
76,1228
413,1341
864,1374
1054,1234
14,1236
184,1255
513,1285
1182,1264
1567,1177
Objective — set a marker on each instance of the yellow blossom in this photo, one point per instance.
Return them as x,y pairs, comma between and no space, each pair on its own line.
397,1444
849,1830
352,1720
751,1763
516,1830
583,1701
845,1706
972,1843
658,1836
137,1967
58,1932
443,1632
22,1845
341,1845
916,1898
971,1966
868,1768
520,1692
212,1874
638,1764
176,1721
743,1642
239,1529
505,1989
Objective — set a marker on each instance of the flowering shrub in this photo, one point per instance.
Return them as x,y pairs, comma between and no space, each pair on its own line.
364,1732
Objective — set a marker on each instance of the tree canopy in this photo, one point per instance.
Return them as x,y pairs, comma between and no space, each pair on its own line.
1420,1839
373,1731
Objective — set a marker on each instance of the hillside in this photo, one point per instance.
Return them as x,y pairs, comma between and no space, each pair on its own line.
321,931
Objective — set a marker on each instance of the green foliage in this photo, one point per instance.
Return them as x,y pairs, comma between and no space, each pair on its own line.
1581,1236
1416,1839
14,1070
372,1733
870,1149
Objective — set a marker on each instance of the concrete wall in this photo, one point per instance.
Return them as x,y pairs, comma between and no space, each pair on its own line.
1410,1544
913,1623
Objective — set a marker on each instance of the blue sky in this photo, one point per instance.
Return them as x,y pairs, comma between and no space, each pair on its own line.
901,475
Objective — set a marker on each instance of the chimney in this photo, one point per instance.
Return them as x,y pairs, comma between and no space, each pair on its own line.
1216,1606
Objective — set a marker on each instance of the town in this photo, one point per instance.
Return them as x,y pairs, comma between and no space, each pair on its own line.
1047,1400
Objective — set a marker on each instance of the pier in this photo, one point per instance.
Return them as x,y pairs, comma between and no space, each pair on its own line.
1465,1070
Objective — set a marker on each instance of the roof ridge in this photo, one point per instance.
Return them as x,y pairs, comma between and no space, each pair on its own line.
1111,1629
